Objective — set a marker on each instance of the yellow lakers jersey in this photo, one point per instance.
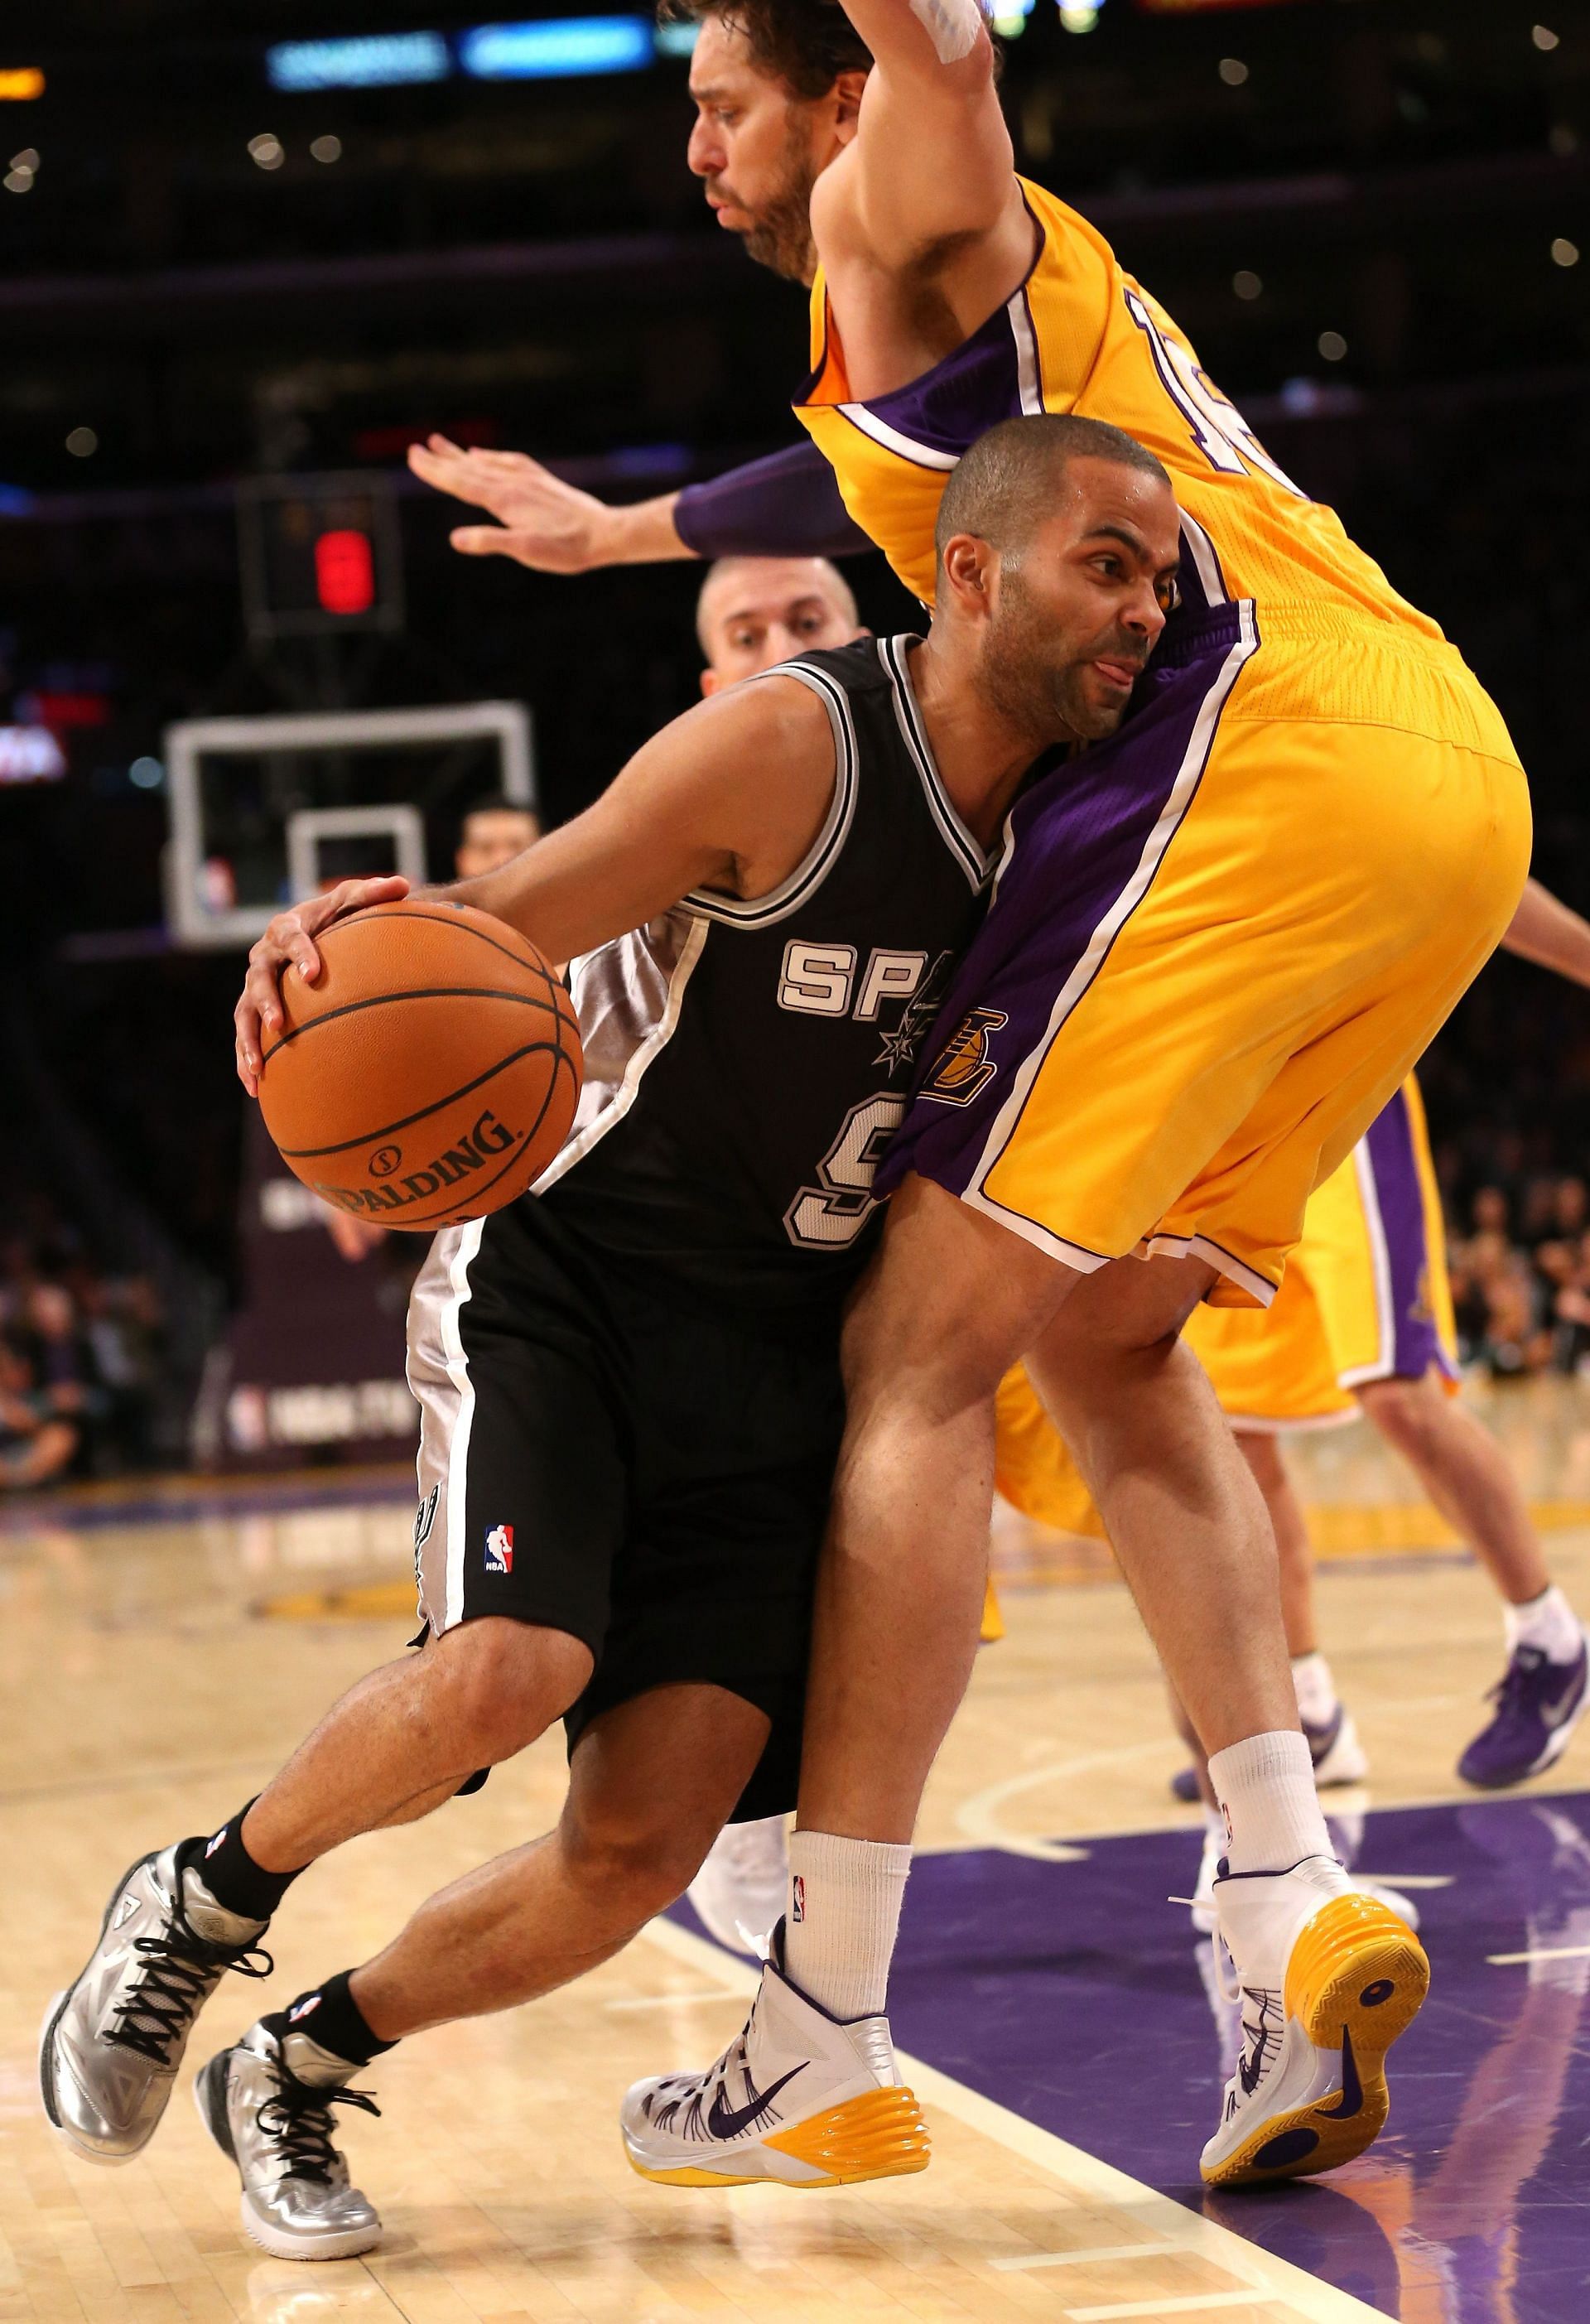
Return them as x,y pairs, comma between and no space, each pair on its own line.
1080,335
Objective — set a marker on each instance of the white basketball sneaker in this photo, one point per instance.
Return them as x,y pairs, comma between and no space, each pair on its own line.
738,1893
798,2098
1203,1895
1329,1977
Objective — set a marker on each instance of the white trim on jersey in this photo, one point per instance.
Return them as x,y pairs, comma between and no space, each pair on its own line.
975,861
644,1054
905,448
791,893
1029,382
1207,558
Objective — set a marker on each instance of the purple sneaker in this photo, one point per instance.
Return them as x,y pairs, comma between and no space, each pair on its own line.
1338,1754
1539,1704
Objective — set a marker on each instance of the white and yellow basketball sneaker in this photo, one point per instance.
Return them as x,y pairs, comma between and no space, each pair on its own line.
798,2098
1329,1977
1209,1871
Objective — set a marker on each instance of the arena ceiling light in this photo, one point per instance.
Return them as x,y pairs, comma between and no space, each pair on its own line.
370,61
558,48
29,754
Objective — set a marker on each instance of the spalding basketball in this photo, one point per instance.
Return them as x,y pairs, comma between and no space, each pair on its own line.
430,1074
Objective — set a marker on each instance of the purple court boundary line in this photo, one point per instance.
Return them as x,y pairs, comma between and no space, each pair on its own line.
29,1514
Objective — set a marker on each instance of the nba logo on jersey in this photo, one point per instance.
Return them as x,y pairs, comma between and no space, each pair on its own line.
500,1550
797,1898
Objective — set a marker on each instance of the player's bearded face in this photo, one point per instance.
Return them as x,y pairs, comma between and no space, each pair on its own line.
775,199
1041,661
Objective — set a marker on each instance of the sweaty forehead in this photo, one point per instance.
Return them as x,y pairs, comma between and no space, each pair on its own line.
1104,493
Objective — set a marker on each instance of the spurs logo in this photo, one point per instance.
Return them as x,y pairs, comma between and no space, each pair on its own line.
963,1067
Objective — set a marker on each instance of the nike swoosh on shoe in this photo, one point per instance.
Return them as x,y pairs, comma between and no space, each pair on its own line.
727,2122
1352,2098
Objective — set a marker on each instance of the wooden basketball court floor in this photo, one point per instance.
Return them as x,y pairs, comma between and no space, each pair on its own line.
161,1650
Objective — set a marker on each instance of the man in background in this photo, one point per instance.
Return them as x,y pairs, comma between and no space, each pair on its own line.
755,612
493,831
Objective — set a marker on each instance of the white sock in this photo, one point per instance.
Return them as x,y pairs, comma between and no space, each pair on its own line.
844,1915
1315,1688
1548,1622
1265,1786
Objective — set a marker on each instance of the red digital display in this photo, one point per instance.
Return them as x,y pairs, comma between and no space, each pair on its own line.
345,572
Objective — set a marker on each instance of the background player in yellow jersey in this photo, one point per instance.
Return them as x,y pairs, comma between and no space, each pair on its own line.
1204,972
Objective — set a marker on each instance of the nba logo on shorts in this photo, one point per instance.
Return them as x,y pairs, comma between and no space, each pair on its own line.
500,1550
797,1898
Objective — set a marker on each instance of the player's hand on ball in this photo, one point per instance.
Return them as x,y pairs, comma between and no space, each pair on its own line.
289,942
541,522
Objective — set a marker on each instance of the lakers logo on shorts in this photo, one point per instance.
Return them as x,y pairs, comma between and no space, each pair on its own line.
964,1067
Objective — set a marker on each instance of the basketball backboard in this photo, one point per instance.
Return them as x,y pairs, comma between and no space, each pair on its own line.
265,810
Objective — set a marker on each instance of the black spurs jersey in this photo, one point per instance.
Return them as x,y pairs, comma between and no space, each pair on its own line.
747,1062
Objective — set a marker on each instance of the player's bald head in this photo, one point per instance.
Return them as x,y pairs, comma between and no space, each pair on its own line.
1014,476
754,611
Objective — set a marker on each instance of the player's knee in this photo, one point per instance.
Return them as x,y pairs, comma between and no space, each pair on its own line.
889,1359
1407,1412
636,1855
506,1682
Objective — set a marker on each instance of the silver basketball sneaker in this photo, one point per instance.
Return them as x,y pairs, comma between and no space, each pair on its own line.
267,2104
113,2039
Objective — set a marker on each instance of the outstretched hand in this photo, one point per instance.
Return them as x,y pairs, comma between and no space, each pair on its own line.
541,522
289,942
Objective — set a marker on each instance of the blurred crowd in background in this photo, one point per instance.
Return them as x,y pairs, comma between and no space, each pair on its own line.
84,1347
80,1353
1520,1276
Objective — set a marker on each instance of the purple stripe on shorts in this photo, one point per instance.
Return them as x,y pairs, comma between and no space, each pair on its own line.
1398,1197
1077,838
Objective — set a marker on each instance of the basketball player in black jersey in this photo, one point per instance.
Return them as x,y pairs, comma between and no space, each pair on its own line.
631,1378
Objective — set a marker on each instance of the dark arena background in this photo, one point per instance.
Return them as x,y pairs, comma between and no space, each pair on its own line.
251,251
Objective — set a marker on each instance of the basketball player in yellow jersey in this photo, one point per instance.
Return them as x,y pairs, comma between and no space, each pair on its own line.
1218,943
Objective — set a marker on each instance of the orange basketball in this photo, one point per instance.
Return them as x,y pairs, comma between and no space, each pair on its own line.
432,1073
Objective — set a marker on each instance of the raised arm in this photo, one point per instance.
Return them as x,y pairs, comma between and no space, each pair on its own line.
681,816
932,160
1547,931
785,505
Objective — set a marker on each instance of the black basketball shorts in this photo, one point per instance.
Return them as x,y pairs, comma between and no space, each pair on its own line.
644,1467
